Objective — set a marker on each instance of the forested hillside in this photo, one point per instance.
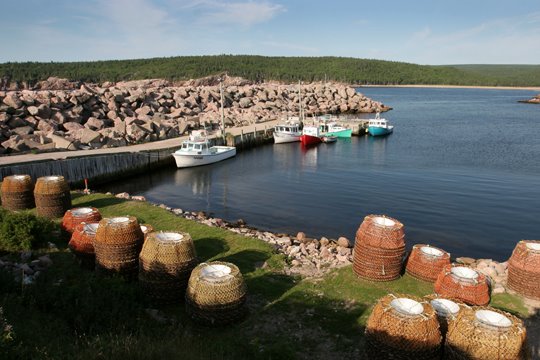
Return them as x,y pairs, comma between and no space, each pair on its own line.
287,69
511,75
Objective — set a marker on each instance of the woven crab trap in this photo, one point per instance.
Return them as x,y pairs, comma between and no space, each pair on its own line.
52,196
17,192
165,264
146,229
524,269
485,333
402,327
117,244
76,216
426,262
382,232
216,294
81,243
463,283
379,249
446,310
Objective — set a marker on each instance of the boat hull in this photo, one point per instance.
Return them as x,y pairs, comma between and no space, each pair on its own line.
347,133
307,140
329,139
378,131
285,138
191,159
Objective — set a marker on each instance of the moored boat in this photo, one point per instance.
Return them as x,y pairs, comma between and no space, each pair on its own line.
334,129
286,133
196,151
329,138
379,126
310,135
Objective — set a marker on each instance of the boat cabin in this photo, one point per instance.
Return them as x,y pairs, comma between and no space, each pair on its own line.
289,129
311,130
378,122
194,146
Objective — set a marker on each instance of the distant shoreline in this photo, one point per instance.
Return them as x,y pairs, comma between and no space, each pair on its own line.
532,88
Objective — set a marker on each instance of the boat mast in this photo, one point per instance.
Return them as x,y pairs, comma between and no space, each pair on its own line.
300,101
222,109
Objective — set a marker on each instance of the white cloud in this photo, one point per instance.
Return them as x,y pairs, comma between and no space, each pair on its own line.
504,40
238,13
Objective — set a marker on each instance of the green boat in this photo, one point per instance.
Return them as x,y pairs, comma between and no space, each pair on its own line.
333,129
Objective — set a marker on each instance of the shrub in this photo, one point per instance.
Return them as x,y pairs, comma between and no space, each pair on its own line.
23,231
6,330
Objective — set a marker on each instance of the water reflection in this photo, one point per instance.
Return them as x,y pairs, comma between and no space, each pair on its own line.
199,179
309,157
377,148
286,154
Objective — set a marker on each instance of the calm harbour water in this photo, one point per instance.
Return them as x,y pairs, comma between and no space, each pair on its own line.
461,171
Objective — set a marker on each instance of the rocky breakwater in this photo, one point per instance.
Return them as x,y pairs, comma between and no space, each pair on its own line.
112,115
534,100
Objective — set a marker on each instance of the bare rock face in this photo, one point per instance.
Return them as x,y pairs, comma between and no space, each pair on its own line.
148,110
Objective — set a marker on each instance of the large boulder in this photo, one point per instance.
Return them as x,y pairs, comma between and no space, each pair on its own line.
72,126
61,142
12,100
94,123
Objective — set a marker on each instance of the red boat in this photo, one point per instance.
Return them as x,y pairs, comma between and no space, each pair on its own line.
310,136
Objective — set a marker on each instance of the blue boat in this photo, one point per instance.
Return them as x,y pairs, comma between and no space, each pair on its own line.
379,126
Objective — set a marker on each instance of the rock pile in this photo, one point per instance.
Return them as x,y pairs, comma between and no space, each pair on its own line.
497,272
134,112
534,100
27,270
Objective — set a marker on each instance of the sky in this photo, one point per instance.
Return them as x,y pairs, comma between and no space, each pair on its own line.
432,32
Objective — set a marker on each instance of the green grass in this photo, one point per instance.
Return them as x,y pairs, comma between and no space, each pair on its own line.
70,313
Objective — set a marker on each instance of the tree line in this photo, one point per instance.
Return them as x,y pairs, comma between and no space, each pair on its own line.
263,68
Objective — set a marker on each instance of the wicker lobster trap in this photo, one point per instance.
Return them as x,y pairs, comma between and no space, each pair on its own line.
76,216
463,283
81,243
146,229
485,333
52,196
165,264
447,311
379,249
524,269
402,327
117,245
425,262
17,192
216,294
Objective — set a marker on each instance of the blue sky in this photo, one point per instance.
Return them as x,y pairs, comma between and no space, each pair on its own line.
422,32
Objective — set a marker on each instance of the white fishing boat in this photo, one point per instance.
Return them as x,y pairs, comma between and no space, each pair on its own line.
287,132
197,151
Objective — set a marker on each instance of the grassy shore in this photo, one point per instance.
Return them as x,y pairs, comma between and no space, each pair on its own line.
71,313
